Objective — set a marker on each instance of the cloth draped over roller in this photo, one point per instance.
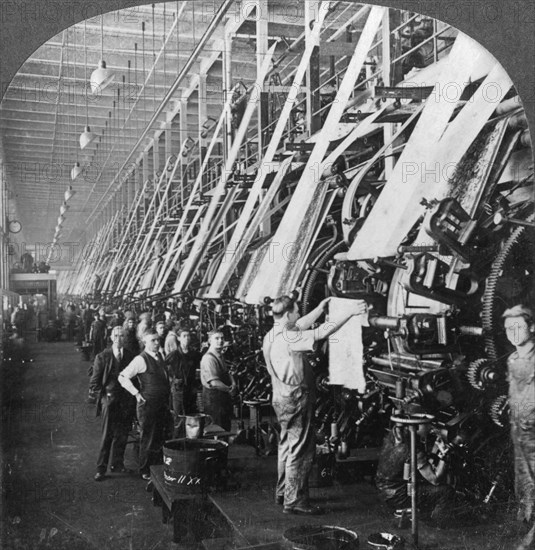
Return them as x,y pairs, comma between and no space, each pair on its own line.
346,365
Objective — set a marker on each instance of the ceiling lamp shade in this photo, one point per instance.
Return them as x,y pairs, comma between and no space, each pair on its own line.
101,78
86,137
76,169
69,192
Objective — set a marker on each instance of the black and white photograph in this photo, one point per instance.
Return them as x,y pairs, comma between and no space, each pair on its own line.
267,275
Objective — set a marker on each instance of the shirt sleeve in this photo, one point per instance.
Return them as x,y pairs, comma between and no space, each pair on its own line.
95,383
136,366
209,369
301,340
421,459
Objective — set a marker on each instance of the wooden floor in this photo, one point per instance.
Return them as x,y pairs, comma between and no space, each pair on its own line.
50,439
354,506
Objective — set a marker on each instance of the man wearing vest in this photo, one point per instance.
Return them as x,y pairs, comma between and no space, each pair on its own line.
152,400
285,347
116,406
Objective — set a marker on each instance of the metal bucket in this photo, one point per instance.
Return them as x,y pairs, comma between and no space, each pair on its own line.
190,465
320,537
195,425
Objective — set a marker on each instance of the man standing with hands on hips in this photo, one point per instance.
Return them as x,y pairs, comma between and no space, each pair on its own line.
285,347
152,400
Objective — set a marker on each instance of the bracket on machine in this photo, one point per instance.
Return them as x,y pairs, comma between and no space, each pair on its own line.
300,146
451,226
416,93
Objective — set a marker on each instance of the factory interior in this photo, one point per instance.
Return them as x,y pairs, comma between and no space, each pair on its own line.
336,191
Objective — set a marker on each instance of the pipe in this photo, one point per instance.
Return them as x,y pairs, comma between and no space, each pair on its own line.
382,321
508,105
518,121
525,139
471,330
382,362
431,363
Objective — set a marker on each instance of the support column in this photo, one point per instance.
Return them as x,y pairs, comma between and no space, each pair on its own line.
388,130
313,100
156,156
261,50
227,90
183,160
168,136
146,168
203,116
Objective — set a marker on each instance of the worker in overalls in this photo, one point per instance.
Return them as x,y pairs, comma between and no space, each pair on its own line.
519,324
285,347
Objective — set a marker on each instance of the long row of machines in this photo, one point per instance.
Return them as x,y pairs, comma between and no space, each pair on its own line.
416,197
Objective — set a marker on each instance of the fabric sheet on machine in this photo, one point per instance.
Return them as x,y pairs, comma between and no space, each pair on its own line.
346,367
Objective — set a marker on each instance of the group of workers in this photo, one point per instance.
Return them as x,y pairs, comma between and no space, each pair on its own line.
161,377
142,380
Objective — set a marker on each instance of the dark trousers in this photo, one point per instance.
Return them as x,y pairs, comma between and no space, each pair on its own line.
70,331
523,436
116,424
153,417
218,405
184,401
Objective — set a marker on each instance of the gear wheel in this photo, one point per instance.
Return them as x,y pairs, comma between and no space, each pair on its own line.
481,373
322,383
499,410
516,253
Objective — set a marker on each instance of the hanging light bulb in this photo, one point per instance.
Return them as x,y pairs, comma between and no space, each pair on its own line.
76,169
86,137
69,192
101,77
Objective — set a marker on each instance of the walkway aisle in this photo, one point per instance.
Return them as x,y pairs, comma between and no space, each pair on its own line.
50,439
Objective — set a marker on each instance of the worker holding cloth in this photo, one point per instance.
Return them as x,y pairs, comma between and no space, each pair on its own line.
285,347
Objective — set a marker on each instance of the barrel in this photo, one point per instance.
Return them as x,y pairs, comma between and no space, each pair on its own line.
191,465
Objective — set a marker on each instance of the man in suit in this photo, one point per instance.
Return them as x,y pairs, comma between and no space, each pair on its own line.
115,404
152,400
